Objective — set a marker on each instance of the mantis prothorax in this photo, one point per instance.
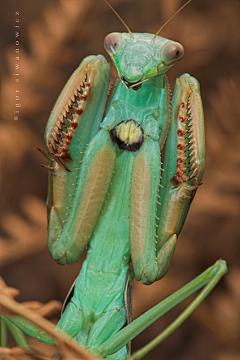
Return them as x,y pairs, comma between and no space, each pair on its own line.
107,188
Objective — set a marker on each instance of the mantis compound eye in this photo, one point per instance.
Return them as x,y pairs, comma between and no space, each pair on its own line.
171,53
112,43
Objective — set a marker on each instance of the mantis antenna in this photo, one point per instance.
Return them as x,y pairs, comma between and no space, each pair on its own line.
123,22
181,8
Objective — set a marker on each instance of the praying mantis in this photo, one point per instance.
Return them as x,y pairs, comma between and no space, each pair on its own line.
109,191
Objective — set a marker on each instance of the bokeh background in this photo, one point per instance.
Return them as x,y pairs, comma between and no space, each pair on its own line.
54,36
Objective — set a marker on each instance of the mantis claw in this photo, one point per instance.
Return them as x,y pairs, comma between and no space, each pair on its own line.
184,159
154,234
56,158
47,156
50,168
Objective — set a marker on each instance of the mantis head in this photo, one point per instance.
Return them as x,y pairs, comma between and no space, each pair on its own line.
139,57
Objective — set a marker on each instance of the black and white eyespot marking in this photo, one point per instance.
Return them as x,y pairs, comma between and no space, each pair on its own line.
128,135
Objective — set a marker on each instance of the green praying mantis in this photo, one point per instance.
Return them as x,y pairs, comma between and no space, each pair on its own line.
108,190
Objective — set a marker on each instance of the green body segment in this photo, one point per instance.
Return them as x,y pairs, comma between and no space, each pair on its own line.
116,196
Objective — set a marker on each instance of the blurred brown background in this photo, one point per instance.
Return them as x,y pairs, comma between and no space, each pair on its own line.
54,36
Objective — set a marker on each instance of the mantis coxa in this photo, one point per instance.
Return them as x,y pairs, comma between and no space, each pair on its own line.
108,189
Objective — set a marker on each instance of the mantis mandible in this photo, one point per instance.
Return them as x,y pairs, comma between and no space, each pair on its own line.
108,189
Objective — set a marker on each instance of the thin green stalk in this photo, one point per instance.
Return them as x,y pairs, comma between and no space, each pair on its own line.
3,334
18,335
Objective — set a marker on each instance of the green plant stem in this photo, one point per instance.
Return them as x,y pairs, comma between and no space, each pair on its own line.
3,334
18,336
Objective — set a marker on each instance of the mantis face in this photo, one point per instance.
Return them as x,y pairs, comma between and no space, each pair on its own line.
139,57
